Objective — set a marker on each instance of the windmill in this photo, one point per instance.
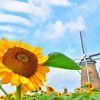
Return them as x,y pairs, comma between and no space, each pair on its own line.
88,64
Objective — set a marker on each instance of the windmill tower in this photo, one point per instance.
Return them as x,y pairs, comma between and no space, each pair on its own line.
89,72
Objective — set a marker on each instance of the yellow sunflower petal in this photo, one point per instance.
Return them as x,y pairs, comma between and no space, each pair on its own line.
20,43
4,69
23,45
7,78
1,65
28,47
38,50
4,44
15,43
1,57
43,69
2,74
30,86
42,58
38,80
41,76
23,80
11,44
34,82
1,52
32,48
15,80
24,89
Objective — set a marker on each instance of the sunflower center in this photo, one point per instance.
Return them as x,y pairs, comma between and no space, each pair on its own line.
20,61
23,57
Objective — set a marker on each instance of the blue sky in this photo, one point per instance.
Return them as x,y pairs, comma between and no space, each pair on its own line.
54,25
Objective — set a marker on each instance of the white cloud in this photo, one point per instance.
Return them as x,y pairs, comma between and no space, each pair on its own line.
9,36
14,19
38,8
11,29
78,25
8,19
6,28
57,29
52,31
64,3
41,10
13,5
89,7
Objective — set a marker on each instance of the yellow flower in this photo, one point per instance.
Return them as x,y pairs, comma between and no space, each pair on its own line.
79,89
58,94
67,93
12,95
21,63
90,92
2,97
89,85
49,89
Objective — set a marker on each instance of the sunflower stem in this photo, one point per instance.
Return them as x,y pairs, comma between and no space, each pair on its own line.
4,92
18,92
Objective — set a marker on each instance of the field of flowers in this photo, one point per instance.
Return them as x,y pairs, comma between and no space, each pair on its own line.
87,92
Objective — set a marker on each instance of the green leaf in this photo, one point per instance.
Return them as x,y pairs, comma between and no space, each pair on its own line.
59,60
95,97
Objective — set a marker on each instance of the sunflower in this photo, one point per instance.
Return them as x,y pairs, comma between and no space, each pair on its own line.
22,64
2,97
79,89
89,86
49,89
68,94
58,94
